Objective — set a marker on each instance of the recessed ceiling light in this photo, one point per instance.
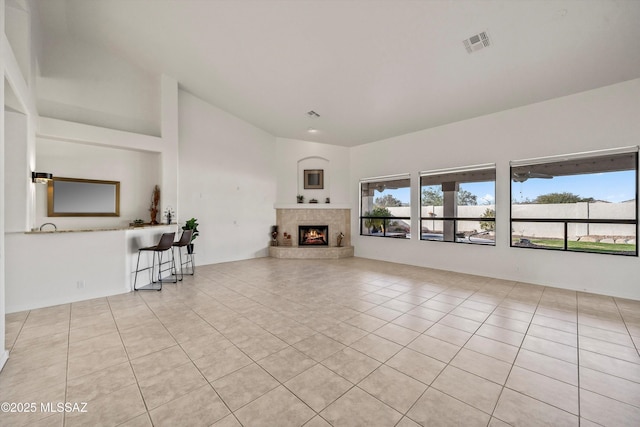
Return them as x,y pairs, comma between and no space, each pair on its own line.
312,130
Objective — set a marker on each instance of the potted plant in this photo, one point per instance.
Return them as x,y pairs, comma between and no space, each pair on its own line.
300,198
191,224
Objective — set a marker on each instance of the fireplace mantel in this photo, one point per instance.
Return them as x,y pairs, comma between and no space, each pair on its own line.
312,206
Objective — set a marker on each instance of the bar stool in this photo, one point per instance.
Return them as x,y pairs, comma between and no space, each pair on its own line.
165,244
185,240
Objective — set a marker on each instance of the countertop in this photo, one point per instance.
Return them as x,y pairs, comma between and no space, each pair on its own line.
48,230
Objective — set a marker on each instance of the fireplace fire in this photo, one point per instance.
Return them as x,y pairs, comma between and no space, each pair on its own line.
313,235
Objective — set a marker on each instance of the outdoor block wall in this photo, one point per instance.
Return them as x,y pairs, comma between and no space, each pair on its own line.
581,210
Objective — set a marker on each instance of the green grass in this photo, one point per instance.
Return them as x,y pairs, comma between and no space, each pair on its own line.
584,246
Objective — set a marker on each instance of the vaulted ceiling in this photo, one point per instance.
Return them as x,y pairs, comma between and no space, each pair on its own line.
370,69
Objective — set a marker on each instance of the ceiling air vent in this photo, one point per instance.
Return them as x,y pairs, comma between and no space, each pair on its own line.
477,42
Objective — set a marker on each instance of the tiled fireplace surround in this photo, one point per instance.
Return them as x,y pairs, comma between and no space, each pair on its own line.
288,219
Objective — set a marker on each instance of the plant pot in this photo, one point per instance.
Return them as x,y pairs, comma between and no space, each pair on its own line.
190,248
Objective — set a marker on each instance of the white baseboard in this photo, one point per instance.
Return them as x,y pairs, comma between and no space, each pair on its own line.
3,359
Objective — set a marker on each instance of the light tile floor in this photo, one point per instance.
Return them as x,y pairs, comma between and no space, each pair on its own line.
353,342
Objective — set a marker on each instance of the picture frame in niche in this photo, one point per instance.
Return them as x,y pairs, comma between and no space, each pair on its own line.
313,179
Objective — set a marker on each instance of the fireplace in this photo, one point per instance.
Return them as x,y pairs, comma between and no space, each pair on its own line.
313,235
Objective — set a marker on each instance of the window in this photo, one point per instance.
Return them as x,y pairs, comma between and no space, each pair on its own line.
385,207
458,205
583,202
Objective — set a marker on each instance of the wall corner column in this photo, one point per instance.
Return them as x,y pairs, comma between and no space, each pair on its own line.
169,135
4,354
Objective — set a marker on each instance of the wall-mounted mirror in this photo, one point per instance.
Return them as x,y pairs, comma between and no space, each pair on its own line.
83,197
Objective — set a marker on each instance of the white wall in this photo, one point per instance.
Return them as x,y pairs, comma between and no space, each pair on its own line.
52,265
59,268
137,171
47,269
291,153
593,120
16,28
4,354
83,83
17,166
227,181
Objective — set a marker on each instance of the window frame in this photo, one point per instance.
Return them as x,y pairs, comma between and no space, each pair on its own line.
385,219
567,221
456,219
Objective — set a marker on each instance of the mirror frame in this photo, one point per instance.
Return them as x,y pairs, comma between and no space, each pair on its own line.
51,197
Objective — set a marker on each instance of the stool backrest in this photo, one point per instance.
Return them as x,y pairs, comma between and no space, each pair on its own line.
185,239
166,241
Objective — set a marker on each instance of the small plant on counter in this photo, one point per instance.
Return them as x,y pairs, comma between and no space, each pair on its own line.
300,198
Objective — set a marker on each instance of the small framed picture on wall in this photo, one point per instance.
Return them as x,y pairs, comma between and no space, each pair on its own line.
313,179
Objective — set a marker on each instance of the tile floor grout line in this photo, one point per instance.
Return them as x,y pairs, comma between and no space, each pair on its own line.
388,322
135,376
449,364
577,367
515,358
626,326
66,377
231,373
320,362
546,300
177,343
23,323
316,363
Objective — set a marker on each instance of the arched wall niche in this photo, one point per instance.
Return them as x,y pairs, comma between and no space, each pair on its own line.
314,163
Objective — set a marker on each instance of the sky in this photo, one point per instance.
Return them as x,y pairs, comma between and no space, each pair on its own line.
610,186
613,187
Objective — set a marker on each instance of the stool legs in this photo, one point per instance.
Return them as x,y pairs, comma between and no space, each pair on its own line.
179,276
184,265
148,287
160,281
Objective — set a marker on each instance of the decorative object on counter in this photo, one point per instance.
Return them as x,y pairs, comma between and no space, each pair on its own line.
169,214
274,235
327,200
191,224
286,241
300,198
340,237
153,209
313,179
138,222
313,201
